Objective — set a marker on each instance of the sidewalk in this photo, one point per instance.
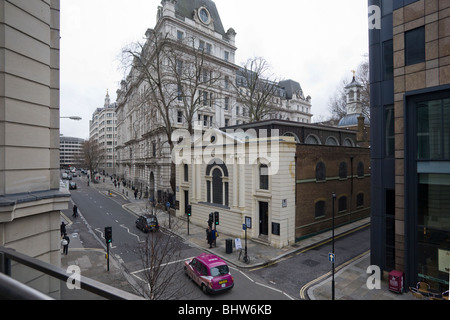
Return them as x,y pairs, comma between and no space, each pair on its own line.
350,280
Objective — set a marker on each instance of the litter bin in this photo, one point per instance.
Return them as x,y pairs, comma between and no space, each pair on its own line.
229,246
396,281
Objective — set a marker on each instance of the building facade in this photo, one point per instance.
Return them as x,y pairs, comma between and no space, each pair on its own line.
410,107
103,130
30,198
279,176
70,151
201,82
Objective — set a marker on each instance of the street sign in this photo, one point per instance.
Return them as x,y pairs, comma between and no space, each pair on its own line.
168,204
244,227
331,257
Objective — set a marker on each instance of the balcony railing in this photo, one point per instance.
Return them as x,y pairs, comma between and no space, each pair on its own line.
19,273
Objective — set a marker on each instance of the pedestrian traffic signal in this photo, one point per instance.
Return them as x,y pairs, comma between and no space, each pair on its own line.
108,234
216,218
189,210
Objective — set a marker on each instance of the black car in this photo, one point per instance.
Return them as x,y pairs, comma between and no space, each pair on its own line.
72,185
147,223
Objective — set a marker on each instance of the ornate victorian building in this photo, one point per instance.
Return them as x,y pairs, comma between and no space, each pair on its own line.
184,77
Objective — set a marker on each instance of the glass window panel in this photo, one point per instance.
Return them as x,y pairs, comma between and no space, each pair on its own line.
415,46
429,130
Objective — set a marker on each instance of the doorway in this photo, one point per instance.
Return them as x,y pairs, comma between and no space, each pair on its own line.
263,218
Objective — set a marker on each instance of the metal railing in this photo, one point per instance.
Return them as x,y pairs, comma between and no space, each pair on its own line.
12,289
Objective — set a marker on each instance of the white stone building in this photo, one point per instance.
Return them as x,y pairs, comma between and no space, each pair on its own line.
247,180
103,130
193,31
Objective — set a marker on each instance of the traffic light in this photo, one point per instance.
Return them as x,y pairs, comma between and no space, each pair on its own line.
189,210
216,218
211,219
108,234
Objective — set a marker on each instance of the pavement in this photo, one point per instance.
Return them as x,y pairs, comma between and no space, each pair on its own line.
350,278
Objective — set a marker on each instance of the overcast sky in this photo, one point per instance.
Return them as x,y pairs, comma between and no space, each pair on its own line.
316,43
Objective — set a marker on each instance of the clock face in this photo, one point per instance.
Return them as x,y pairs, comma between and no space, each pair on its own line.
204,15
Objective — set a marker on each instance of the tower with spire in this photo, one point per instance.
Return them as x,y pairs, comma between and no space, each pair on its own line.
107,99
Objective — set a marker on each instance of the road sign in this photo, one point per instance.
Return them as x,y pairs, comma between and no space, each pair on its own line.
244,227
331,257
168,204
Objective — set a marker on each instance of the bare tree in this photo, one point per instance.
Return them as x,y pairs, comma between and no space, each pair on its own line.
93,156
163,265
256,88
177,76
338,102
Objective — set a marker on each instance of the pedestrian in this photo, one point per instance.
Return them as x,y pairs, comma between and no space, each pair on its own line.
209,236
213,237
75,211
65,243
63,228
135,194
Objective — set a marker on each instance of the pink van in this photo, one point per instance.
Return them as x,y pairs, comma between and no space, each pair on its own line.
210,272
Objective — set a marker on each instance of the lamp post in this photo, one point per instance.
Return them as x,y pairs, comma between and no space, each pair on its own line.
332,249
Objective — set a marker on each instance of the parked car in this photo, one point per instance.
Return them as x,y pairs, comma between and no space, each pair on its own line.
64,175
147,223
72,185
210,273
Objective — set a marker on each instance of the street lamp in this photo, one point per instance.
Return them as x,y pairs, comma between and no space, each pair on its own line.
76,118
332,249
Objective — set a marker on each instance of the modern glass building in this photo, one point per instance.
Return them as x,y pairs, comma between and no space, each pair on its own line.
410,135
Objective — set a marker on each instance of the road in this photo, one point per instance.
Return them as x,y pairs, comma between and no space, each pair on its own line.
99,210
293,274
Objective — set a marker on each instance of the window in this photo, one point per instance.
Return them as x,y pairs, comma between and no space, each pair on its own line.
227,103
227,56
342,204
360,200
389,136
433,131
180,117
186,172
263,177
343,170
415,46
388,60
320,209
360,169
216,183
180,35
320,171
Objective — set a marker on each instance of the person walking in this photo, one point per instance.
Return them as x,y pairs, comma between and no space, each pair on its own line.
75,211
65,243
63,228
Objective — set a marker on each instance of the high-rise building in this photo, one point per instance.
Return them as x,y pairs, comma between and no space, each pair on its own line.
410,141
103,130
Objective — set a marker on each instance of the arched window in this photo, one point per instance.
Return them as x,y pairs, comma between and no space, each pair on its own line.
331,141
186,172
312,139
263,177
320,171
217,183
348,143
360,200
217,186
320,209
360,169
343,170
